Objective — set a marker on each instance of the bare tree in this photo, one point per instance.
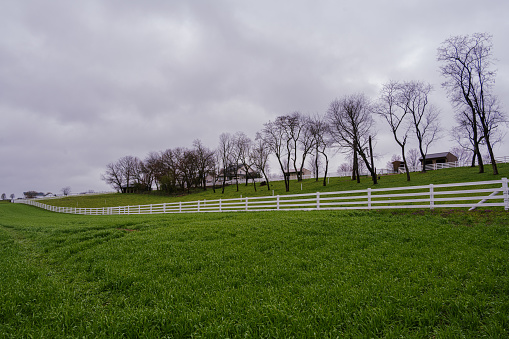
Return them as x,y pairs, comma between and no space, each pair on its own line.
4,196
467,138
12,196
315,163
299,130
122,174
260,153
320,131
345,168
66,190
151,168
241,150
188,169
424,116
466,65
461,153
217,169
225,151
30,194
392,108
179,156
113,176
247,156
205,161
276,136
412,157
167,171
351,127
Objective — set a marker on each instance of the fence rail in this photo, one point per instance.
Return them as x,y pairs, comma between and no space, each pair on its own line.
494,193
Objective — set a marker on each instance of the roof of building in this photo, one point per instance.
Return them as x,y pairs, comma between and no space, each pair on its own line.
436,155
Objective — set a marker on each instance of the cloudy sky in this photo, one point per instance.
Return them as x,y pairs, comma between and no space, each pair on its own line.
83,83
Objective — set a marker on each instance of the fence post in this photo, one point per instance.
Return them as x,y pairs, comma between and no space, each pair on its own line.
369,197
277,202
247,203
220,207
431,197
180,206
317,200
164,208
506,193
198,205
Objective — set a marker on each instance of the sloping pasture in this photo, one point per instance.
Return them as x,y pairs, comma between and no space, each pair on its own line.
272,274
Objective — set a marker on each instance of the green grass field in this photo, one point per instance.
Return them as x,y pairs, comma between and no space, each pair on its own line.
323,274
273,274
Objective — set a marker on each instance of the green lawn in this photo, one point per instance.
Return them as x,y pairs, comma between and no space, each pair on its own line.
272,274
463,174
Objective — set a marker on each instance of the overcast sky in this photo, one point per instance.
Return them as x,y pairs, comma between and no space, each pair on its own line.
84,83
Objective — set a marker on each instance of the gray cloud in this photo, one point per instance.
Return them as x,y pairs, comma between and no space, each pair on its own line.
83,84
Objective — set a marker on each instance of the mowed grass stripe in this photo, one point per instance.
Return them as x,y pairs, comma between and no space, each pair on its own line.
272,274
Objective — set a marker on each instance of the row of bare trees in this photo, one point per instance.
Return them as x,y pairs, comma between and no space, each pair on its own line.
172,170
4,196
348,127
466,64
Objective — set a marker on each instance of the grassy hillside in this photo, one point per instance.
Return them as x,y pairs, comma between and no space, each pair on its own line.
273,274
463,174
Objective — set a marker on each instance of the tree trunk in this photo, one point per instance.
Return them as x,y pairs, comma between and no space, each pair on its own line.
373,169
492,156
266,180
326,170
479,158
224,179
406,165
355,167
316,165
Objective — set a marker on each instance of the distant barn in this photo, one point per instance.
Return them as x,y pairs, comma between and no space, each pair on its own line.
439,158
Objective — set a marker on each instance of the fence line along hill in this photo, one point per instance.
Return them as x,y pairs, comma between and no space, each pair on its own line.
493,193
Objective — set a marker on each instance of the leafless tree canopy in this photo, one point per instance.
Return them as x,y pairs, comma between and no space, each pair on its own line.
121,174
352,126
424,116
412,157
173,170
66,190
466,64
320,132
461,153
260,153
276,136
225,152
204,162
391,107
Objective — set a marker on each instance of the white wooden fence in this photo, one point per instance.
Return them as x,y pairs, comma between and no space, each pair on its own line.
494,193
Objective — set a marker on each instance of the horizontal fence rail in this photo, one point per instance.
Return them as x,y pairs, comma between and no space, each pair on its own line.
493,193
